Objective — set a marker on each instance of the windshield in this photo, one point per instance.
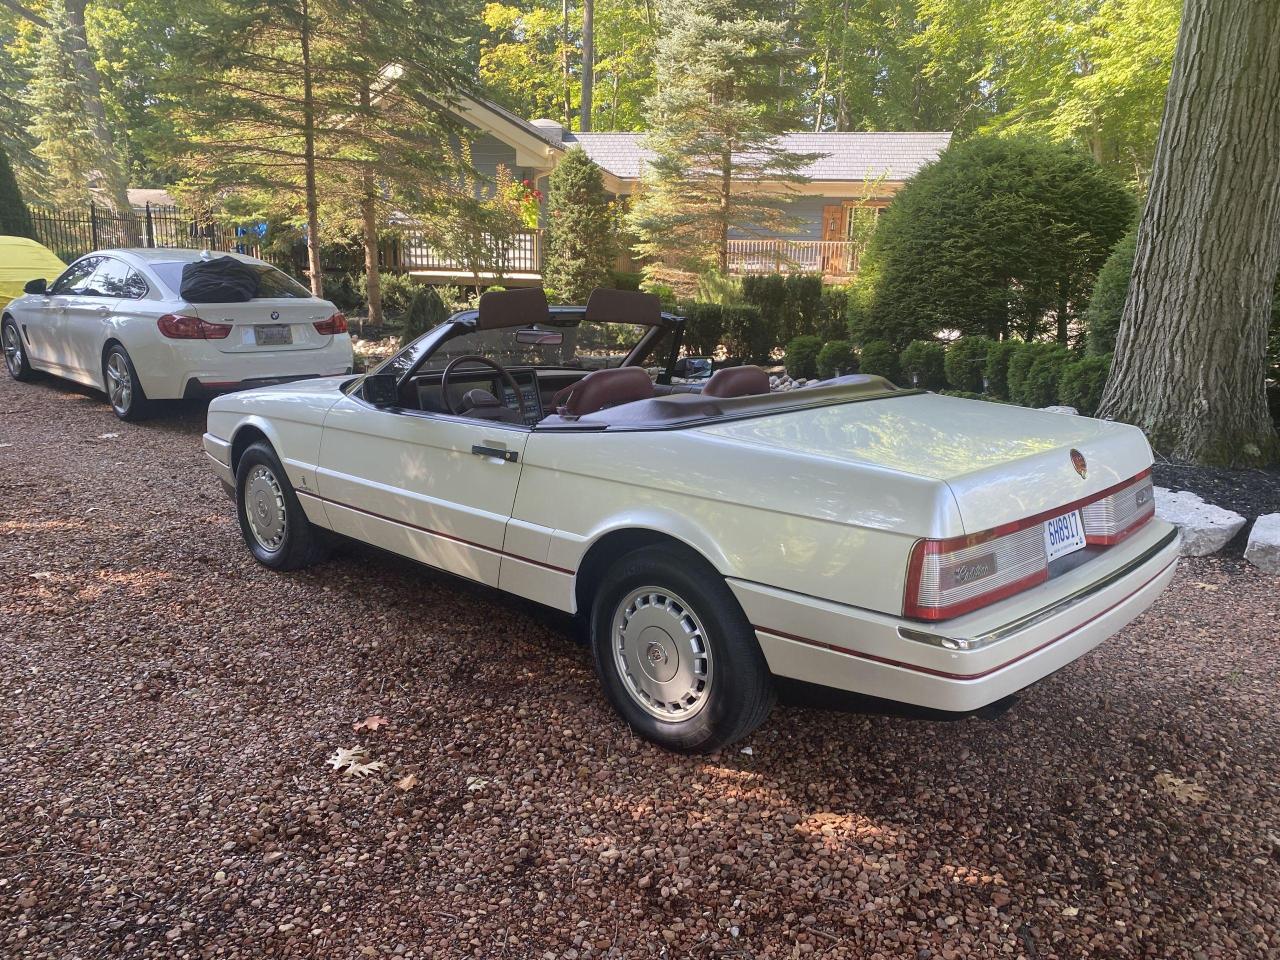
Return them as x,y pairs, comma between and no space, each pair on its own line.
566,341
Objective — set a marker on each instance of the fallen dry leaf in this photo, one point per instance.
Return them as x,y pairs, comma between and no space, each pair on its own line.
365,769
345,756
1188,791
371,723
407,782
1203,586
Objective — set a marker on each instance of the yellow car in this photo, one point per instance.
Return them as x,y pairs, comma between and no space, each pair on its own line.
22,260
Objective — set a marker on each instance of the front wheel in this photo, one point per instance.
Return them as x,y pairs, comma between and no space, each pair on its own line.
272,521
15,355
124,391
676,654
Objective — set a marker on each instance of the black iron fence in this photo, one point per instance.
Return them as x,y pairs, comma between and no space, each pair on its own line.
73,233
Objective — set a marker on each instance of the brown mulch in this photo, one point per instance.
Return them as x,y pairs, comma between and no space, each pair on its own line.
168,707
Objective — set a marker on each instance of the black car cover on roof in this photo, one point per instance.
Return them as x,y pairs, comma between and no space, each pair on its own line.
219,280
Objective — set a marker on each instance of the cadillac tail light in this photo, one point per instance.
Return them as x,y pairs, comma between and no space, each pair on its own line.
335,324
948,578
178,327
1121,512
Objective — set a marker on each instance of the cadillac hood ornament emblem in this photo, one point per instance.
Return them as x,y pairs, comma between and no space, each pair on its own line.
1078,461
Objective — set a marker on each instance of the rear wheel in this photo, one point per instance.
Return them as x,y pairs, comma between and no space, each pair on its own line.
124,392
15,354
272,521
676,654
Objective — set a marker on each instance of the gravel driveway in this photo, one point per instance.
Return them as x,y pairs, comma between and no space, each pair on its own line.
169,707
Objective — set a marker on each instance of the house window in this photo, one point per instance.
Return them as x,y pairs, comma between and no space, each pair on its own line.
860,219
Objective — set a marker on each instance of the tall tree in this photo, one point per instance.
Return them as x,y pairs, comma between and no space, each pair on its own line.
1189,366
15,220
580,229
718,165
588,63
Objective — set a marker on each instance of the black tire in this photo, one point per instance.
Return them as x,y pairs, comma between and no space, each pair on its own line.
15,351
300,543
124,391
739,692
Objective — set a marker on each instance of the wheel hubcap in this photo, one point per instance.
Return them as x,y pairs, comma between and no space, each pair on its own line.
264,508
662,654
12,349
119,383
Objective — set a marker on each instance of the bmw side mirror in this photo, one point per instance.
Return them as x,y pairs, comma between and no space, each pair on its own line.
36,287
381,389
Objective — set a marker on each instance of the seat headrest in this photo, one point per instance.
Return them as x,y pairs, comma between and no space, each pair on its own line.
737,382
604,388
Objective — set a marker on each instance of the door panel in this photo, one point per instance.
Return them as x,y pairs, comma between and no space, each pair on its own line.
411,483
48,329
82,323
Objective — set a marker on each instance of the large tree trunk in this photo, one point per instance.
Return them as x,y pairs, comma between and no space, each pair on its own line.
1189,364
369,221
314,270
588,64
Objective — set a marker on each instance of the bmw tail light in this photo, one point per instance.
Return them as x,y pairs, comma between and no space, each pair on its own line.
1120,513
335,324
175,326
947,578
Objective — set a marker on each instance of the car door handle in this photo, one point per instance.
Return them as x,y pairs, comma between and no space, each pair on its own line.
480,450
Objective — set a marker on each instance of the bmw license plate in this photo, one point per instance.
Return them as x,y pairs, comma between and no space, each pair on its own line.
1063,535
273,334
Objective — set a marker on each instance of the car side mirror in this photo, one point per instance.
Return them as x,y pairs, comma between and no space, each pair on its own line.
381,389
36,287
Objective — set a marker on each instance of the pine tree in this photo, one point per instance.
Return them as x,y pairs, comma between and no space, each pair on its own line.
580,239
726,83
15,220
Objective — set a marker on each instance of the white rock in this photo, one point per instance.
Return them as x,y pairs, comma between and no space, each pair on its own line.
1205,528
1263,550
1062,409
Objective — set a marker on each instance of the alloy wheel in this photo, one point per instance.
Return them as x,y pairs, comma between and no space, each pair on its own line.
264,508
119,383
12,349
662,654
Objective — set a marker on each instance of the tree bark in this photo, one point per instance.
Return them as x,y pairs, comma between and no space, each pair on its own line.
1189,363
314,270
588,64
369,219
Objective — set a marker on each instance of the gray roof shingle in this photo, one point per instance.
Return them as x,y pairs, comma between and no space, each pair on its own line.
843,156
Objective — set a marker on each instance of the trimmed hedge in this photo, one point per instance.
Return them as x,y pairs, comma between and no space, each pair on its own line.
802,357
966,363
997,367
703,327
1102,317
837,358
1040,387
1020,363
1082,383
879,358
746,336
923,365
426,310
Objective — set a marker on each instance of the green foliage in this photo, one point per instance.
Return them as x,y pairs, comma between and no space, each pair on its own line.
802,357
996,370
746,336
964,394
994,237
345,291
397,290
426,310
715,287
728,77
579,237
625,279
1082,383
923,365
966,363
1039,387
832,307
880,358
794,305
1023,356
704,327
15,220
1102,319
836,359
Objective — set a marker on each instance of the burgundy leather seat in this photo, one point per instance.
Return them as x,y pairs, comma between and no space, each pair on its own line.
604,388
737,382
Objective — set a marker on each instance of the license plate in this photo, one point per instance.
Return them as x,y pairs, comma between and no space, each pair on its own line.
1063,535
273,335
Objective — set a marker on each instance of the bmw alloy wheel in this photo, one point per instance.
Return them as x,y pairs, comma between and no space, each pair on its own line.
264,508
119,383
12,349
662,654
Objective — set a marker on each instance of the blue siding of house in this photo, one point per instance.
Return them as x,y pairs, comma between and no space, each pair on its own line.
488,153
806,215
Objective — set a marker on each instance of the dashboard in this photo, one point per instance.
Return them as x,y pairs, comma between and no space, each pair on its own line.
537,388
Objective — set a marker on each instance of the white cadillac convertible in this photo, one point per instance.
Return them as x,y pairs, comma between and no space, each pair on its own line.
934,551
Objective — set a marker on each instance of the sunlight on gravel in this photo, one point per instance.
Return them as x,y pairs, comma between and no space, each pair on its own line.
170,709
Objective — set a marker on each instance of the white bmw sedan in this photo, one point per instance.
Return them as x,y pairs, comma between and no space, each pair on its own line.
117,320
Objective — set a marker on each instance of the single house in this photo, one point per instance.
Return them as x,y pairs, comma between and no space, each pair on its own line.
853,171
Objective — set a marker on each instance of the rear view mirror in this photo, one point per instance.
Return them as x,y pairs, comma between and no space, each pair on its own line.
692,367
539,338
381,389
37,287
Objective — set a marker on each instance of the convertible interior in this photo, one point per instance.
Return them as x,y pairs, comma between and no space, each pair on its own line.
516,360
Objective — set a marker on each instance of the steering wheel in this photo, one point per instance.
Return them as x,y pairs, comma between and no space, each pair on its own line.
498,368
